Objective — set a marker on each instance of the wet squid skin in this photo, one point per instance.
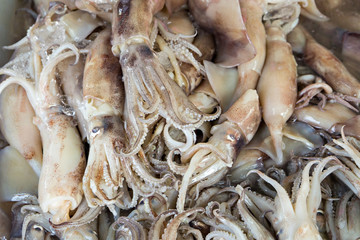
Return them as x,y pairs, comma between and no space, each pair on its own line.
59,185
329,67
331,115
17,121
277,86
150,90
343,13
250,71
224,19
103,97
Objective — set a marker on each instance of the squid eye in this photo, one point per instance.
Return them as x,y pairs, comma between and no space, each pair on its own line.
38,228
95,131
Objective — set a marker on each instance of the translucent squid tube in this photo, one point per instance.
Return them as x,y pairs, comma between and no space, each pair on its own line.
330,116
277,86
17,125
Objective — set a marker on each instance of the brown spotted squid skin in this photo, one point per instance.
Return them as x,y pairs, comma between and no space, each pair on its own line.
149,89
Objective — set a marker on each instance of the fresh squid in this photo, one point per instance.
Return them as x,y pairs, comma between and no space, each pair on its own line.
330,68
225,21
16,175
331,114
310,10
136,79
295,220
277,87
173,5
350,53
346,218
343,13
208,162
17,125
73,90
249,72
150,89
103,107
351,127
63,154
349,155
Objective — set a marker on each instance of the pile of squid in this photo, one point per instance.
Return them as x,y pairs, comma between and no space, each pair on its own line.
176,119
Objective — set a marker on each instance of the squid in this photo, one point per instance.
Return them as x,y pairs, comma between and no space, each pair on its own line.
248,159
126,228
171,229
102,109
208,162
331,114
228,216
181,48
249,72
72,86
311,11
349,155
346,217
295,220
17,113
150,89
31,222
343,13
16,175
63,154
173,5
330,68
349,126
43,6
277,86
224,19
17,125
103,8
350,53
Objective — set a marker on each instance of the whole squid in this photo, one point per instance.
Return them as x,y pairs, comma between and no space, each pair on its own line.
277,86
